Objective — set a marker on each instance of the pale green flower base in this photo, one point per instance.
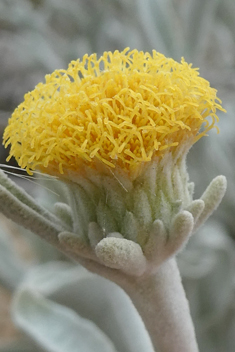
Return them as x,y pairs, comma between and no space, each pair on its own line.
128,232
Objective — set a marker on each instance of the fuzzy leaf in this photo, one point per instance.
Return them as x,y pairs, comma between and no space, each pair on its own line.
20,194
164,209
154,249
180,230
75,244
115,235
196,208
142,209
130,226
57,328
64,212
115,197
12,268
105,218
82,208
91,296
18,212
49,278
121,254
212,198
95,234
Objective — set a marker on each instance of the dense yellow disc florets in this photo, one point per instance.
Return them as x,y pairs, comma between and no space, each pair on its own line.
121,109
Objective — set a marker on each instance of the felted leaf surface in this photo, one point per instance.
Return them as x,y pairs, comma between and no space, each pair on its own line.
93,298
12,268
57,328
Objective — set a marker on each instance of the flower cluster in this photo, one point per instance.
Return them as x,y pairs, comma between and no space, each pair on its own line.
131,116
119,110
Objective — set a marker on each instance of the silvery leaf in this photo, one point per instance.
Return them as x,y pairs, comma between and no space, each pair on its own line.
94,298
12,268
57,328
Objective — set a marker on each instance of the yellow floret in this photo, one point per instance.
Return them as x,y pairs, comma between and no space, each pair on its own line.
121,109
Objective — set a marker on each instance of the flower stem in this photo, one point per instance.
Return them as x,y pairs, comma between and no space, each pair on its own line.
160,300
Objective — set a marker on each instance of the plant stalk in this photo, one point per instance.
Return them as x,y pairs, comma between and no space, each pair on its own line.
160,300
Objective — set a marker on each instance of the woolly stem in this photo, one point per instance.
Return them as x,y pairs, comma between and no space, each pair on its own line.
160,300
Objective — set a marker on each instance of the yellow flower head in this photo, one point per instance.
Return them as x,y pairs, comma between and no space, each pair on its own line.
120,110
